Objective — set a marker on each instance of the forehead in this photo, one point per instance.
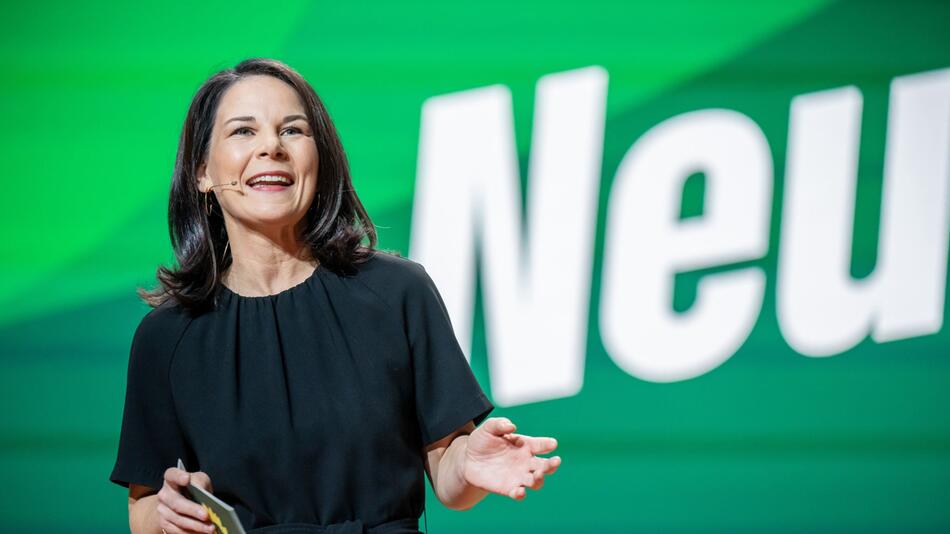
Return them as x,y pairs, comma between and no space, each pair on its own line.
263,97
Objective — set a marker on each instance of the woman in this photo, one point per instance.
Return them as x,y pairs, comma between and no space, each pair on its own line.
308,379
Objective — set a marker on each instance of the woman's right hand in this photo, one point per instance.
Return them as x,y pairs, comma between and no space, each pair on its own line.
178,514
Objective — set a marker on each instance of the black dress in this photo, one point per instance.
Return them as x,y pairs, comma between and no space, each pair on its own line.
310,408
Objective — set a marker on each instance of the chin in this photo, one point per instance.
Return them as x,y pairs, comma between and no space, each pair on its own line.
268,219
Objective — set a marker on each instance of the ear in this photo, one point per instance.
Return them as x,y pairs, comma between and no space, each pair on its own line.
204,181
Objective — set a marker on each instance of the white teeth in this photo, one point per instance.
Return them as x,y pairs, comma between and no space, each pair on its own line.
271,179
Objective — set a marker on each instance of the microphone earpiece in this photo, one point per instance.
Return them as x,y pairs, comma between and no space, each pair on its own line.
233,182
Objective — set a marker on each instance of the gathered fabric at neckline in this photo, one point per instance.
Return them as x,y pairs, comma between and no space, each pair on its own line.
230,293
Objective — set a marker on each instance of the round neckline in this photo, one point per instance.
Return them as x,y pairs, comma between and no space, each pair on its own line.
226,290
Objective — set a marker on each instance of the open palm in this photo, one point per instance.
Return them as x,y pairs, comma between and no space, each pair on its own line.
500,461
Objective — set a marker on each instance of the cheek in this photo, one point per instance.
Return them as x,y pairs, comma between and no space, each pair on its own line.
235,155
310,162
311,155
229,157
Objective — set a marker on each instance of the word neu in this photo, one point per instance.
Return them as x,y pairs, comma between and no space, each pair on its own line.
537,283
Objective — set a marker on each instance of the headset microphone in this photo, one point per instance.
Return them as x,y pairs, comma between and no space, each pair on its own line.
211,190
227,186
232,183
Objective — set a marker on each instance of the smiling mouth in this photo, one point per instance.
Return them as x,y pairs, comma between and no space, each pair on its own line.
270,183
269,187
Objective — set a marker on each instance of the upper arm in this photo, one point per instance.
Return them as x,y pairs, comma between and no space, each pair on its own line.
151,437
435,451
446,392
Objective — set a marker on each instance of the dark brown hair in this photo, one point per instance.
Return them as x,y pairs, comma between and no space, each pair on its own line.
334,227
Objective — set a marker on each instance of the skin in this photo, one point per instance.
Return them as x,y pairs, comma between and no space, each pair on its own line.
471,462
263,227
269,257
169,509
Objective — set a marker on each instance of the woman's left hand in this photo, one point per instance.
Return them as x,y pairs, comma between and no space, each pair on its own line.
500,461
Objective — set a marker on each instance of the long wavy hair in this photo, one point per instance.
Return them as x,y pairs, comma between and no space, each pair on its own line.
334,228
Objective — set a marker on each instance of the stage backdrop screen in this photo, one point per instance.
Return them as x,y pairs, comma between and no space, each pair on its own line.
702,244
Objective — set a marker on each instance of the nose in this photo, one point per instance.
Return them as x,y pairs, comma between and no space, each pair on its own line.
271,145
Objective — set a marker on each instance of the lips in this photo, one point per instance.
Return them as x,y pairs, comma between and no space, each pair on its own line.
271,178
269,187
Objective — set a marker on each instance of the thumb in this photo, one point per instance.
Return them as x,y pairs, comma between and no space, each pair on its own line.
202,480
499,426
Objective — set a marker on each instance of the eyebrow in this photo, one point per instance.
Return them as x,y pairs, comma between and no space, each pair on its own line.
248,118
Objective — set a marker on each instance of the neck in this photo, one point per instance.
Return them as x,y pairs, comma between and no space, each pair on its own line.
267,263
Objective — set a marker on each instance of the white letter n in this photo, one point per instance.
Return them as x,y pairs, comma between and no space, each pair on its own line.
537,280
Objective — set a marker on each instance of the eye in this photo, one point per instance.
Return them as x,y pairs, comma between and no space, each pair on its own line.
241,129
294,128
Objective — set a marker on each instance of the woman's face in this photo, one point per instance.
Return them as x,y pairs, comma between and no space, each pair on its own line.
261,128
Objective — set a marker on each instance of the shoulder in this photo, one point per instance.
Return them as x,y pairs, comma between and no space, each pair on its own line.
160,328
399,282
389,269
153,348
387,263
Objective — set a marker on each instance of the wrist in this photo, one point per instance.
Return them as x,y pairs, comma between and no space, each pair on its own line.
461,460
469,493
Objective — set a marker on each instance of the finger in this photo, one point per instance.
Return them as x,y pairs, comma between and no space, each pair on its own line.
176,477
163,514
538,464
538,445
170,528
551,464
184,507
191,526
528,479
499,426
517,493
538,480
186,524
542,445
165,522
516,439
545,466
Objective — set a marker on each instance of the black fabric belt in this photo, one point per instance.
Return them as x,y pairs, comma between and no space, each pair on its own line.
399,526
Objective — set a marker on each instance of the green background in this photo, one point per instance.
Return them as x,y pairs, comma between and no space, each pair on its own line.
92,97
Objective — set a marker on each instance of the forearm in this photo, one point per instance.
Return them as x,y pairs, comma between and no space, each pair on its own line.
450,485
143,516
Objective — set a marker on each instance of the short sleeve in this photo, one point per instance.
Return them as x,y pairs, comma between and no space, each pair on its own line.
151,439
447,395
